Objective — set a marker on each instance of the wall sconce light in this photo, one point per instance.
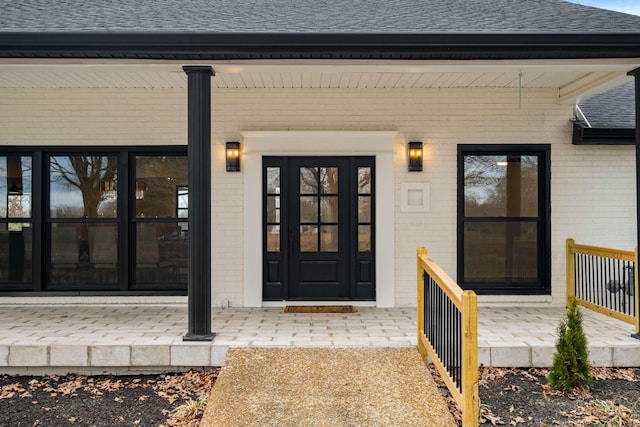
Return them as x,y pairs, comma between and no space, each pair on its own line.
415,156
233,157
14,190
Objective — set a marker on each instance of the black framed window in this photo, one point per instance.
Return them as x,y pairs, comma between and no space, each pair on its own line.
93,220
16,221
160,221
82,221
503,219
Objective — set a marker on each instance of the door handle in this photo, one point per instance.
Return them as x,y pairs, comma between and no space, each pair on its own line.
290,245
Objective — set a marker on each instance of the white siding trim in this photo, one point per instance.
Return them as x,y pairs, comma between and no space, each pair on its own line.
307,143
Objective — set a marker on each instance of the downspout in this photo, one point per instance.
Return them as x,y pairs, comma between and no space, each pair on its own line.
636,74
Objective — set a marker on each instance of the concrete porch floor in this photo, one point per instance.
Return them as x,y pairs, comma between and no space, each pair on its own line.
138,338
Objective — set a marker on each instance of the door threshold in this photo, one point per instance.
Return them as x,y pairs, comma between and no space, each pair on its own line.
279,304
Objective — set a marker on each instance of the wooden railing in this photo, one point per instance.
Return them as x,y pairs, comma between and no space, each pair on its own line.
448,334
604,280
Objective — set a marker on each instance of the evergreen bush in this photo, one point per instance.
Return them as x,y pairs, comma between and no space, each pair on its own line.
570,368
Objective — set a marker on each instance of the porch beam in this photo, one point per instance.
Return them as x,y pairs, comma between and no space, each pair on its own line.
636,74
199,140
591,83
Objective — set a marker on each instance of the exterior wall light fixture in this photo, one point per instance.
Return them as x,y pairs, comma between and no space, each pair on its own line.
233,156
415,156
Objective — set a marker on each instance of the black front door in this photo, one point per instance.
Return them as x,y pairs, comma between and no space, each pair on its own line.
318,226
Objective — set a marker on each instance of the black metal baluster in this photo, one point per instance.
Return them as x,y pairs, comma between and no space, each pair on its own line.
594,290
459,348
428,310
578,275
447,328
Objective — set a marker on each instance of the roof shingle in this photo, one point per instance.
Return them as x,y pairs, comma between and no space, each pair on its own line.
312,16
614,108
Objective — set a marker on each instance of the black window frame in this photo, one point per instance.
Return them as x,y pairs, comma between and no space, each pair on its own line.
134,220
125,219
543,152
34,219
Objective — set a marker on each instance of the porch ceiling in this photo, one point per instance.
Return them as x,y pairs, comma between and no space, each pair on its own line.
572,78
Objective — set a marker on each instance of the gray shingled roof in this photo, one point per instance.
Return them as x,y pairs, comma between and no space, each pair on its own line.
312,16
614,108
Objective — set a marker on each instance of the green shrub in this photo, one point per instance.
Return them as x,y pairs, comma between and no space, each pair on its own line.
570,368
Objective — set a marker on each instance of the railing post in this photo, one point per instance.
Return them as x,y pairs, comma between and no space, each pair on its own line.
420,286
571,271
471,402
636,273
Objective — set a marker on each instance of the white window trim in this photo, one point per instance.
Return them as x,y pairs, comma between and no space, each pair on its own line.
379,144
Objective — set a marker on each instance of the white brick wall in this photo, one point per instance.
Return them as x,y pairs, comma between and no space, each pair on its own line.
593,188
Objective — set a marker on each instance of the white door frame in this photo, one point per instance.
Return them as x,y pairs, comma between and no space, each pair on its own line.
379,144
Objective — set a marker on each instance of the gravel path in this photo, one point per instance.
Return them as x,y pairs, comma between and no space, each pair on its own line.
325,387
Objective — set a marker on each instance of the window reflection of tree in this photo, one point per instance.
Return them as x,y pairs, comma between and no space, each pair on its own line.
497,187
486,182
364,209
84,173
322,183
16,174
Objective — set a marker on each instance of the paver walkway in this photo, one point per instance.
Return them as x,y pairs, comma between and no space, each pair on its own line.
135,338
325,387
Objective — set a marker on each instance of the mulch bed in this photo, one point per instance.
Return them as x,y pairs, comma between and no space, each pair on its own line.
519,397
522,397
73,400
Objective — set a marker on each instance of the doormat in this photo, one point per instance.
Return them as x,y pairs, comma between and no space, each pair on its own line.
319,309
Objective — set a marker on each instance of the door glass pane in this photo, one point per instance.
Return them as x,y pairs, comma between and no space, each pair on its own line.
84,253
364,238
161,253
15,187
273,180
364,209
308,238
501,252
308,180
273,208
273,238
329,209
83,186
500,186
183,201
158,180
364,180
329,238
308,209
15,253
329,180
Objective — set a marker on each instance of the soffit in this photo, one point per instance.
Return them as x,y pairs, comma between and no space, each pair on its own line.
571,78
